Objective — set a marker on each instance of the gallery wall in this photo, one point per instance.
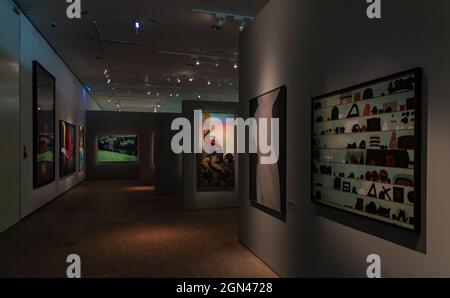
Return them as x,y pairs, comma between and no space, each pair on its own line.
9,116
168,165
193,198
121,124
70,100
316,47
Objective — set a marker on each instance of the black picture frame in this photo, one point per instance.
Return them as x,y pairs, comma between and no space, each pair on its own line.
413,76
71,150
38,180
198,160
279,111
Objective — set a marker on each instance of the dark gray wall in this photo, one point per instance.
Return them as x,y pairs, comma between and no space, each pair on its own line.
168,164
114,123
192,198
318,46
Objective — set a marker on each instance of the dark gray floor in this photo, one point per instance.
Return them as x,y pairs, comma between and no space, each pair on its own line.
120,229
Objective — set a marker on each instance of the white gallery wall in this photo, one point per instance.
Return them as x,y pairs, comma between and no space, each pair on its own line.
9,116
71,100
319,46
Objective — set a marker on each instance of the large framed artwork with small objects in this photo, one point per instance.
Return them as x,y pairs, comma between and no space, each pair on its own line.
366,149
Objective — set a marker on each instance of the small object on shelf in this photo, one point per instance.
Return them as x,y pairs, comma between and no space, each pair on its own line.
368,93
411,197
363,128
337,184
390,107
401,216
346,186
355,128
384,176
346,98
386,192
367,110
335,113
354,191
374,124
402,108
324,170
357,96
411,103
318,105
385,126
351,176
371,208
373,191
375,111
354,112
362,145
351,146
399,195
359,204
319,119
407,142
375,176
374,142
404,180
393,142
384,212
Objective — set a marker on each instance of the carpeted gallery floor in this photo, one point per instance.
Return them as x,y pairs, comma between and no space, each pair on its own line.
120,229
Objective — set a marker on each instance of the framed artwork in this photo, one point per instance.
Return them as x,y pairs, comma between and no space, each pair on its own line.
366,149
268,181
67,150
216,170
43,126
117,149
81,149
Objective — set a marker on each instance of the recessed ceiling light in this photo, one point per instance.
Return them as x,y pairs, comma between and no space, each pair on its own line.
209,83
137,26
191,80
236,66
109,99
197,62
217,63
178,80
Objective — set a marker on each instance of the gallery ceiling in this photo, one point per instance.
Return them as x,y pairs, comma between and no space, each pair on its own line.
156,67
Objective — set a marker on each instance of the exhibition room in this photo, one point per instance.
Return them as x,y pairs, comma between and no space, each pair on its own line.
224,139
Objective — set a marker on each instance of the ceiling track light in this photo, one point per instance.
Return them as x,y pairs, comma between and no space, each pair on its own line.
242,26
137,26
235,66
178,80
191,79
209,83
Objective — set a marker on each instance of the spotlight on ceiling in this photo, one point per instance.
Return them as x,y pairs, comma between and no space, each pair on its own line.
108,81
109,99
242,26
197,62
177,95
149,92
191,80
157,93
217,64
235,66
137,26
105,72
159,106
178,80
209,83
